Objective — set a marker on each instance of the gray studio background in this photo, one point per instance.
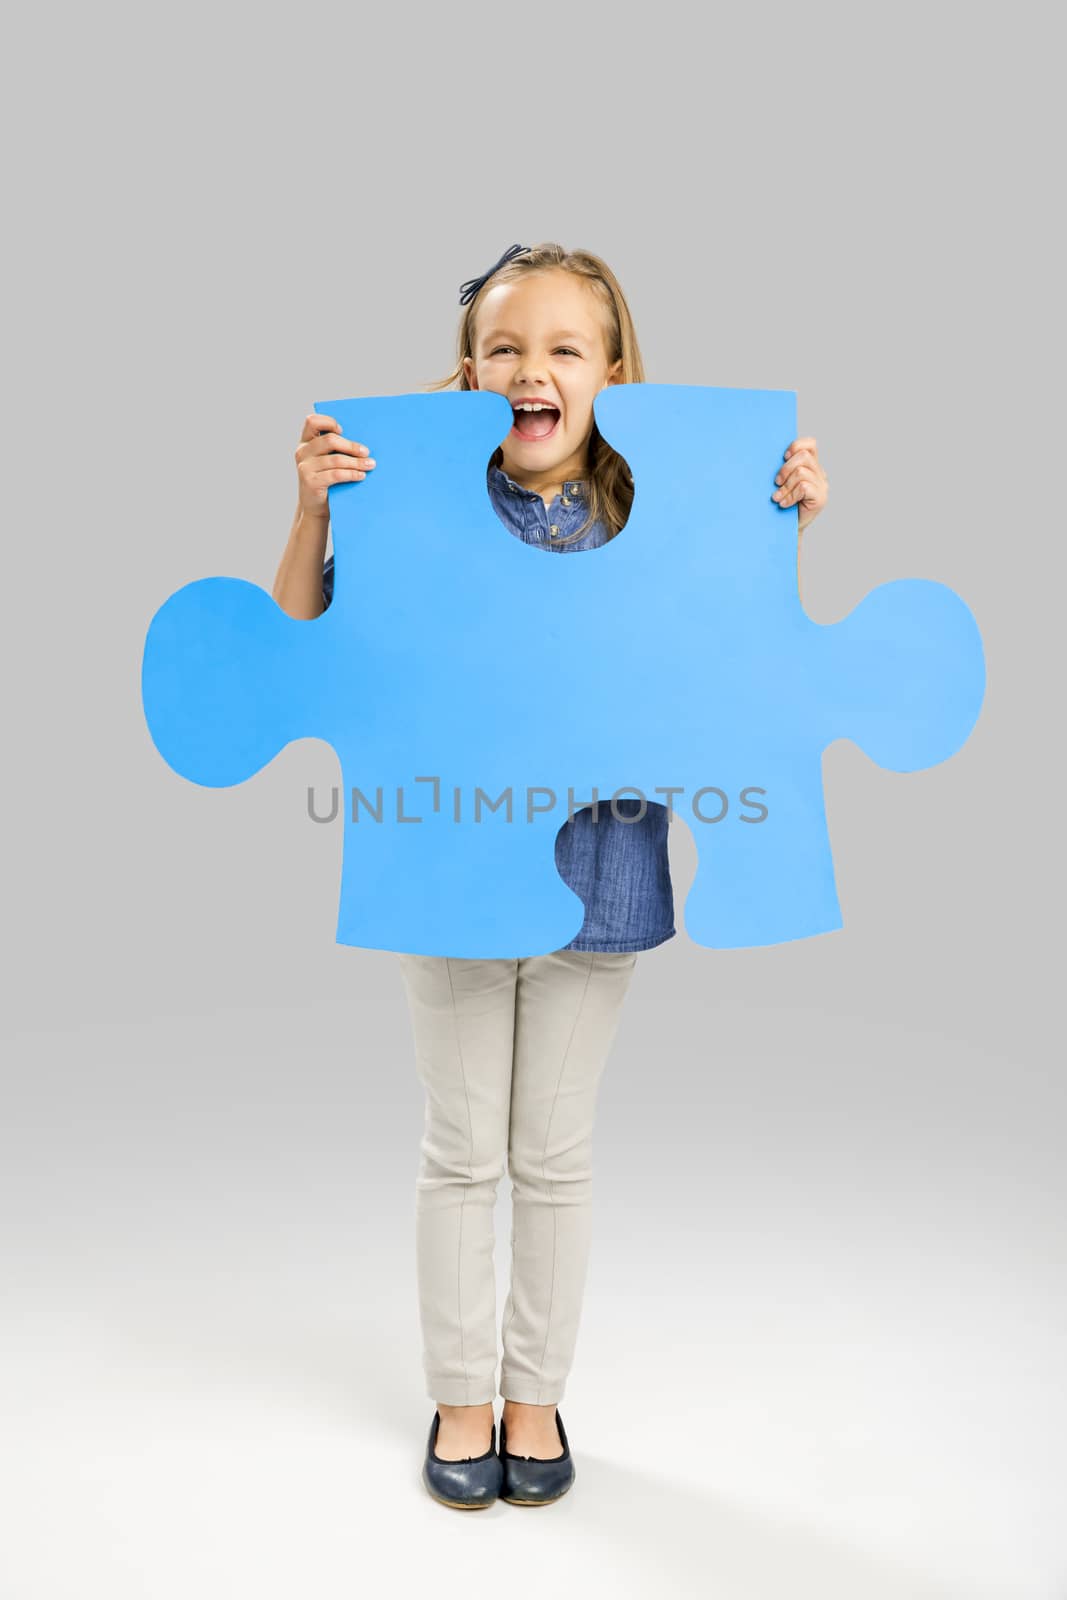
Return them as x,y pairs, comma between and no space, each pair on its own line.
823,1339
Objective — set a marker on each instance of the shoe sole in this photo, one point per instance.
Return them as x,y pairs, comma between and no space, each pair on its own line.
463,1505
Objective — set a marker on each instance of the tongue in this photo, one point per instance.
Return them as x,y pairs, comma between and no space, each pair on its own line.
535,424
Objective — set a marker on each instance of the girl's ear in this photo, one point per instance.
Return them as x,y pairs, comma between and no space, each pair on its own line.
469,373
615,372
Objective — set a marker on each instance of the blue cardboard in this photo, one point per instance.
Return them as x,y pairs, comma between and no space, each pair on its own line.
456,658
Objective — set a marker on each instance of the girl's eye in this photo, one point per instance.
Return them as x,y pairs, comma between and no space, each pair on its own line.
565,349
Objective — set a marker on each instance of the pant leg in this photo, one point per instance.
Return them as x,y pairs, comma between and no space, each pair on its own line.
567,1013
463,1019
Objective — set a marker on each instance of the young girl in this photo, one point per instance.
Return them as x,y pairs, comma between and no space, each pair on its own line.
511,1051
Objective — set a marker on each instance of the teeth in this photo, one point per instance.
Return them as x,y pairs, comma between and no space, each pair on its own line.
528,405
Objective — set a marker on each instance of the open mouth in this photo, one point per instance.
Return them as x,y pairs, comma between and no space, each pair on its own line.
539,424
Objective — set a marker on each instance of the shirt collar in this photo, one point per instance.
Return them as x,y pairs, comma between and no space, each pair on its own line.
574,489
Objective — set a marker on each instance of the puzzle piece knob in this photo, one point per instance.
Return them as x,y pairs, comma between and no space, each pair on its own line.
220,684
909,673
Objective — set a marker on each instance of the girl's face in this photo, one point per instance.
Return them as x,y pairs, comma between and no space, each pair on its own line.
542,338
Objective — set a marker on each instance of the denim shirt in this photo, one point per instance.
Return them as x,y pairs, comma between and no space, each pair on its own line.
618,868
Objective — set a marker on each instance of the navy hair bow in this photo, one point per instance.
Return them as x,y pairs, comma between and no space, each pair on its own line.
468,290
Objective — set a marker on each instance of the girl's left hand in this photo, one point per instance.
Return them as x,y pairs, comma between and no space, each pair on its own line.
802,481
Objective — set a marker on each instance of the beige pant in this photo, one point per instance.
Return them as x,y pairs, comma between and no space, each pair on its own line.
510,1053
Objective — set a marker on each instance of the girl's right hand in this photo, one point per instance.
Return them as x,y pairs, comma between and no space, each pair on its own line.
325,456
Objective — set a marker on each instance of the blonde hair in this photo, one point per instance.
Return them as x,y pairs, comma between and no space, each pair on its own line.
610,485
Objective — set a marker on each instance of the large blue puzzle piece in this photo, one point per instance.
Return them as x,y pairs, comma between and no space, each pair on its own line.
677,656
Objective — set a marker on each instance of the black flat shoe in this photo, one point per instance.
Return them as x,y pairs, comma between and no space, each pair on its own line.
468,1485
531,1480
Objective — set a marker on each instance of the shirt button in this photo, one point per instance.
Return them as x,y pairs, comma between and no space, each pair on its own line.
554,529
564,500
